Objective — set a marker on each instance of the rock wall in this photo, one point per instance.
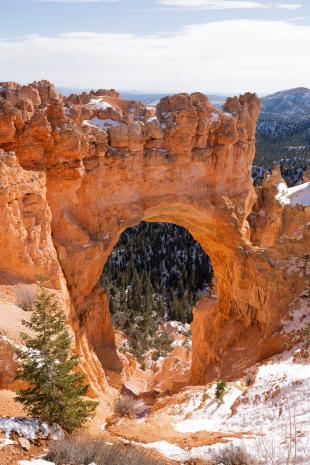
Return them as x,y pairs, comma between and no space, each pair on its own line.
87,167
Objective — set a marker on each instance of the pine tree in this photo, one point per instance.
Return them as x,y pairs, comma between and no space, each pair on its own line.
56,390
220,391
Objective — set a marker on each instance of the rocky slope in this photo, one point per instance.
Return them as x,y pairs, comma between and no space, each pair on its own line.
89,166
265,412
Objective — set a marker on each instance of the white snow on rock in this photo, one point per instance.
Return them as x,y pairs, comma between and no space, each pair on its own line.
175,344
297,195
101,123
174,452
6,442
300,316
169,450
279,385
100,104
29,428
152,119
35,462
213,415
273,414
214,117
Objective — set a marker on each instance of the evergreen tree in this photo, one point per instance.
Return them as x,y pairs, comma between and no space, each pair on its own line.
56,390
220,391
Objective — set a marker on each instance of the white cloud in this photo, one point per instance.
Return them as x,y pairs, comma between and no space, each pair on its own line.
289,6
212,4
76,1
226,4
224,56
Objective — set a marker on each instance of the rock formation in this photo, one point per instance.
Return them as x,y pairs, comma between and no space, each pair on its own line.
76,172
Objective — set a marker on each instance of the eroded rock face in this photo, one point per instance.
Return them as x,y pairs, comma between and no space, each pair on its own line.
27,249
94,165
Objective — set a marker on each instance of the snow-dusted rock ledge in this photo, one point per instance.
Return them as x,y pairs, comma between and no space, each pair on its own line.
29,428
297,195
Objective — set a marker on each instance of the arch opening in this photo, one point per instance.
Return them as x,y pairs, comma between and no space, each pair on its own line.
153,277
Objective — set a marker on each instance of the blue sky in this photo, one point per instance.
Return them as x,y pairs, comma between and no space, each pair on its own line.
218,46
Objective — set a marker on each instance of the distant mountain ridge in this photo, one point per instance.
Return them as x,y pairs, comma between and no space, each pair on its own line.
288,102
283,129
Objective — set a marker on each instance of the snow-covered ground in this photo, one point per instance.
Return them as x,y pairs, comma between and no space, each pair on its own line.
273,414
297,195
29,428
270,406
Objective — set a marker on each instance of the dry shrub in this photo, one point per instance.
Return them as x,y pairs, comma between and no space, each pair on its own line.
288,443
249,379
85,450
25,298
125,407
233,456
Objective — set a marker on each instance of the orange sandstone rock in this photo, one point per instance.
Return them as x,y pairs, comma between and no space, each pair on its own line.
78,181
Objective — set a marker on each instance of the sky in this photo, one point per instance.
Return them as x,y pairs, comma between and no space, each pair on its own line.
213,46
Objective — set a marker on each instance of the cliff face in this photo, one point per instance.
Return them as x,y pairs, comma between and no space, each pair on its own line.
88,167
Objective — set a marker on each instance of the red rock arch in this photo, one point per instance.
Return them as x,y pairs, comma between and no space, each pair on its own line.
183,162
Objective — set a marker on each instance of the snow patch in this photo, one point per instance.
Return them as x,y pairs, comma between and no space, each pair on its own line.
291,148
213,415
214,117
153,119
29,428
176,453
6,442
297,195
35,462
169,450
300,315
100,104
101,123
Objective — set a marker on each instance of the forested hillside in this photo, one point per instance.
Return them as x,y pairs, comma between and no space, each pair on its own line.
283,134
156,272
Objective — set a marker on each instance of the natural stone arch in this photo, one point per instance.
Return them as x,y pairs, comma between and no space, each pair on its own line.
196,174
184,162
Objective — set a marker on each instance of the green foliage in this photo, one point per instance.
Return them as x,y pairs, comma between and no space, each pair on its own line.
306,330
56,389
167,261
306,334
220,391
